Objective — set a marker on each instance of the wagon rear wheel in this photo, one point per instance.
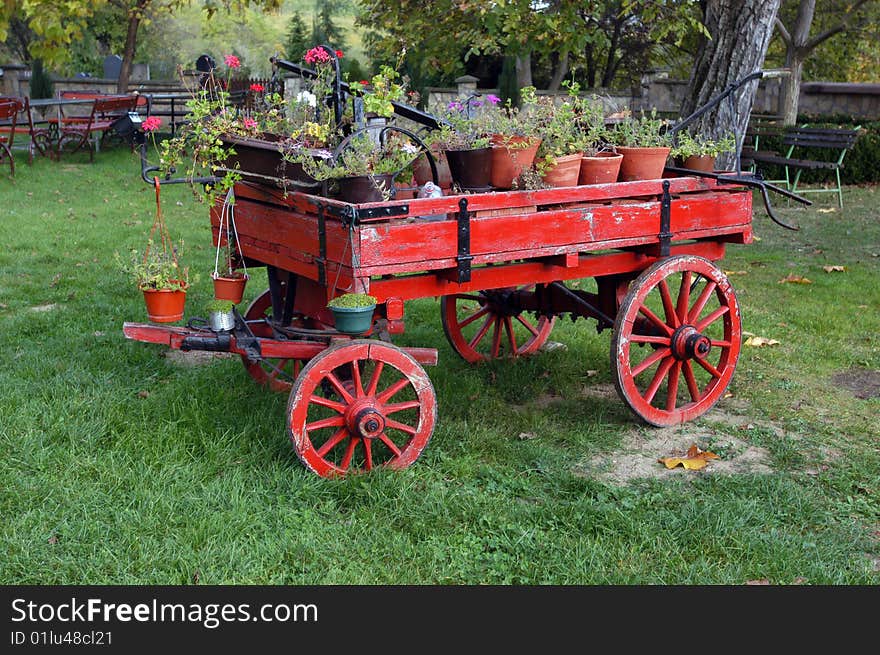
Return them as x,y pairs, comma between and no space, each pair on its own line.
359,406
676,340
489,325
274,372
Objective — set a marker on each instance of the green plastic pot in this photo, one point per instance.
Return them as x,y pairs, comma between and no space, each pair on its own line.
353,320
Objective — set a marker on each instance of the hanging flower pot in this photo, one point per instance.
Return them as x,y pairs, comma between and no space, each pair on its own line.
600,168
229,287
564,171
353,312
164,305
642,163
471,169
510,157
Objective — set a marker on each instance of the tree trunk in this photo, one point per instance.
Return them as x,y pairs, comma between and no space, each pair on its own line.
524,69
740,33
790,90
559,72
134,22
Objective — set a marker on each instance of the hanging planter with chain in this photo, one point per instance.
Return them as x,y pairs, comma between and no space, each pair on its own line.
230,284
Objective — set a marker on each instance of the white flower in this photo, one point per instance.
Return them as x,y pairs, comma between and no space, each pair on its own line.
305,96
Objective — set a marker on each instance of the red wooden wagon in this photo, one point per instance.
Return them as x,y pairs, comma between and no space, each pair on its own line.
502,264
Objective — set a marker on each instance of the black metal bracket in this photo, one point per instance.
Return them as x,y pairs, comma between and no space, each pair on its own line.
665,234
464,257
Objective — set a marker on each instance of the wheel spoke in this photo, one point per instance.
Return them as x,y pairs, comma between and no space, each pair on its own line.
356,378
711,318
644,338
701,301
388,394
391,445
496,337
368,455
331,422
473,317
714,372
332,441
399,407
668,309
672,386
397,425
326,402
693,387
662,370
481,333
719,343
511,338
531,328
349,451
656,320
684,296
374,381
342,391
650,360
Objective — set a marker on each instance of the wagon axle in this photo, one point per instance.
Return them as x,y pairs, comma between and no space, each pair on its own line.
688,343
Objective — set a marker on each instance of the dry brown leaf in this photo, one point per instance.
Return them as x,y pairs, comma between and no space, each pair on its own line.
143,393
53,539
826,210
834,269
796,279
591,372
758,342
762,581
693,461
729,273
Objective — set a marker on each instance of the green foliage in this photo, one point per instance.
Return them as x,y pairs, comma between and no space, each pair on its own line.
298,40
325,31
218,305
156,267
41,85
351,300
385,87
688,145
643,131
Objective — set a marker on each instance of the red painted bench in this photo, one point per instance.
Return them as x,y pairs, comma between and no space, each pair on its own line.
105,110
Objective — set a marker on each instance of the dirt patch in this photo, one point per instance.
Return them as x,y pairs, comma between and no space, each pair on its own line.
643,446
195,357
863,383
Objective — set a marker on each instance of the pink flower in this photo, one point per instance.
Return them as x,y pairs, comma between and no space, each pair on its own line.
232,61
317,55
249,123
492,98
151,123
257,88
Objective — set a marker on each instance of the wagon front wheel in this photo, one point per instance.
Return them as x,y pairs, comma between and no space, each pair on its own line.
360,406
676,340
490,324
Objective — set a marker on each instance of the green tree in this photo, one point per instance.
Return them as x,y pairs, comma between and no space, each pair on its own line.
324,30
298,41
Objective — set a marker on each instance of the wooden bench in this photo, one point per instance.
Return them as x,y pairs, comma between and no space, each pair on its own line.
804,149
16,119
105,111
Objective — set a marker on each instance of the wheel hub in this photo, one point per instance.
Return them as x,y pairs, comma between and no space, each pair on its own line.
688,343
364,420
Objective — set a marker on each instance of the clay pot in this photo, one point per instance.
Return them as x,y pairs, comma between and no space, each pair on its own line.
565,171
471,169
365,188
229,287
601,168
164,305
704,163
510,157
642,163
422,170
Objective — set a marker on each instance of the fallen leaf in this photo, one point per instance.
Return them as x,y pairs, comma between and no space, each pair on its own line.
826,210
143,393
818,251
799,580
196,577
762,581
55,280
756,237
727,395
591,372
3,305
527,436
834,269
758,342
729,273
693,461
53,539
796,279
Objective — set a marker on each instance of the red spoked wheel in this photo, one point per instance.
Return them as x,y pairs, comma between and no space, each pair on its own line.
276,373
490,324
359,406
676,341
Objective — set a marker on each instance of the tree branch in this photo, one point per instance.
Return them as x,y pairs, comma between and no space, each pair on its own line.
783,32
842,26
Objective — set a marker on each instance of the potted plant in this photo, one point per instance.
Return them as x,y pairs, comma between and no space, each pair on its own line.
353,312
558,159
229,283
514,139
600,163
464,140
164,283
699,152
644,144
221,317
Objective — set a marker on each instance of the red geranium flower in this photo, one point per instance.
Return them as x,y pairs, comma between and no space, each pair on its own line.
257,88
339,54
151,123
232,61
317,55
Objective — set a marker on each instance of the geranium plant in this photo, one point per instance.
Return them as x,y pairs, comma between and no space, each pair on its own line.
688,145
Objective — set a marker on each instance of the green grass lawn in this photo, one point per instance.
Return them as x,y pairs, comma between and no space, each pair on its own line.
121,465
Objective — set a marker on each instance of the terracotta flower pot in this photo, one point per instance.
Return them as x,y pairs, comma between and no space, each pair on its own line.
705,163
471,169
422,170
642,163
510,157
229,287
164,305
601,168
565,171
